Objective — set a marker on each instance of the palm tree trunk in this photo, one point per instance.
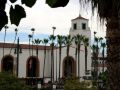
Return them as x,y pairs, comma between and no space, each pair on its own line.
44,62
67,59
37,51
103,59
56,63
52,64
97,61
53,61
76,55
86,58
113,52
59,61
68,50
78,61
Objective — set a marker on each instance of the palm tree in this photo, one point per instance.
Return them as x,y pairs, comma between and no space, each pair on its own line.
76,51
6,27
94,61
68,41
37,42
52,38
97,53
109,10
103,45
16,30
60,40
78,39
45,41
86,44
29,36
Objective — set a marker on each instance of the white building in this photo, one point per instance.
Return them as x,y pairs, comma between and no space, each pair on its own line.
32,66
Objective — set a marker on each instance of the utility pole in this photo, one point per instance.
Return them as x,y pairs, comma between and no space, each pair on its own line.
17,56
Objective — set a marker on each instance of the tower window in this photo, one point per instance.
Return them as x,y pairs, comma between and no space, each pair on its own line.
83,25
74,26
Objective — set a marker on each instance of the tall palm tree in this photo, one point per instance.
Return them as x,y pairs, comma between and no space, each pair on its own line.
37,42
94,61
97,53
60,40
86,44
76,50
68,41
103,45
109,10
45,41
52,39
29,36
78,39
6,27
16,31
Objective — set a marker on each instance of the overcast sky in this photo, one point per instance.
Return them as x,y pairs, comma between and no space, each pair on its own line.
43,18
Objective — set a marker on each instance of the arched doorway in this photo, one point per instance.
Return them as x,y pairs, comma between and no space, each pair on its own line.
32,67
7,64
69,67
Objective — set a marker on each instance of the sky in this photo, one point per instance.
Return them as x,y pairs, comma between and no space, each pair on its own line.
43,18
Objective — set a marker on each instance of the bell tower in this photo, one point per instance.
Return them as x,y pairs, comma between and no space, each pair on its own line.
80,26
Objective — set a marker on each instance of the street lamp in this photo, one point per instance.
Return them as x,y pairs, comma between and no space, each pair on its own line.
32,38
53,29
52,59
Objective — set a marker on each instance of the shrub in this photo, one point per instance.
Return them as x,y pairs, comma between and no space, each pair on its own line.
10,82
75,84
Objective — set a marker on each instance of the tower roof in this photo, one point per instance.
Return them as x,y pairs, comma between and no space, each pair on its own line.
79,17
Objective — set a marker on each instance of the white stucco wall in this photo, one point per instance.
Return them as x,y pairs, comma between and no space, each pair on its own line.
23,57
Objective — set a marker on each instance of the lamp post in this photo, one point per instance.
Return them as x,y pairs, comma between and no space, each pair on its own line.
32,38
53,29
52,58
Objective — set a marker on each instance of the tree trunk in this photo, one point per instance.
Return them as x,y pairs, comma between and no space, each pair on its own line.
44,62
52,62
113,52
103,56
86,58
76,55
67,57
59,61
79,61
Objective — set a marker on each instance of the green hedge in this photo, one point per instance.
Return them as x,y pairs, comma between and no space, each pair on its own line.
10,82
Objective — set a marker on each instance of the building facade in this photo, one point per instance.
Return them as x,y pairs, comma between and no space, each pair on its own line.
28,61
